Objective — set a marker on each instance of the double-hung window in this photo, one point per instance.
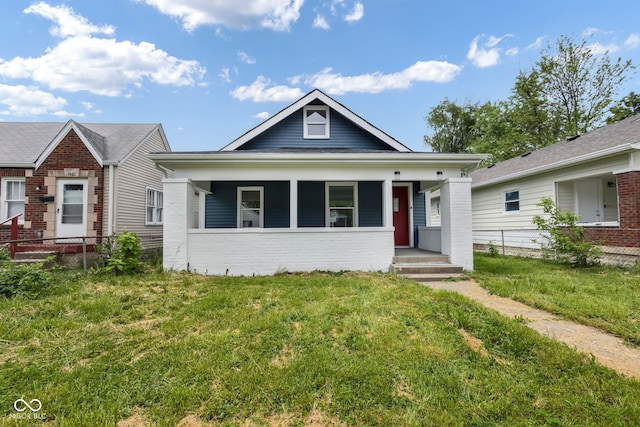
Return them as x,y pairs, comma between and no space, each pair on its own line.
13,198
154,207
342,204
512,201
250,207
316,122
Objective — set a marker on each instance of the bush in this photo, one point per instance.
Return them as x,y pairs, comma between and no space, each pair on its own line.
564,239
26,280
125,257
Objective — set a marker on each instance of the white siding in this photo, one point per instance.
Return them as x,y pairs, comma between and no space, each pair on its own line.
488,202
131,180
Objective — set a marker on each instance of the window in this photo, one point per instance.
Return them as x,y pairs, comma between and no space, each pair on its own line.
13,196
512,201
154,207
316,121
342,209
250,207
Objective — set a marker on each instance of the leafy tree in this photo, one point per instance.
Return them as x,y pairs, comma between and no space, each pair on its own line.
577,85
453,125
626,107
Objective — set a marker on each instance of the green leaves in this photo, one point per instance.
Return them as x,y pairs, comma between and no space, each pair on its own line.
126,255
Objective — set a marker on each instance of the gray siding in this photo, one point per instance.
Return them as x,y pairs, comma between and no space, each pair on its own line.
289,134
222,204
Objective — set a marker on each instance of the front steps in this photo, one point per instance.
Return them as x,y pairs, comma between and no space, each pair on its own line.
423,266
33,257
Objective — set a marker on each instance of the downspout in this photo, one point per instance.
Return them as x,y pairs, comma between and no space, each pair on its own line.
111,202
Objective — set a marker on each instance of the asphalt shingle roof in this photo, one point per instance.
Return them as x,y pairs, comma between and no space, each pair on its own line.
24,142
618,134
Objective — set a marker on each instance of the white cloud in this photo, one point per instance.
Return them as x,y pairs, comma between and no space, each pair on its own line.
102,66
321,22
68,23
262,90
633,41
28,101
601,49
536,44
224,75
487,54
356,13
512,51
262,116
244,57
274,14
421,71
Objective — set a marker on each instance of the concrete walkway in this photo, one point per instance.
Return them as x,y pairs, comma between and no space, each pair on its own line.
608,350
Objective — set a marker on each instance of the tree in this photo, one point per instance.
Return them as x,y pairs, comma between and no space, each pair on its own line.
577,85
453,127
626,107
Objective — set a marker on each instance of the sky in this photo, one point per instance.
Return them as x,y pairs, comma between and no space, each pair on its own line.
210,70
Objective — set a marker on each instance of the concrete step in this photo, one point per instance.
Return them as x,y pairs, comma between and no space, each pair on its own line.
420,259
432,277
426,268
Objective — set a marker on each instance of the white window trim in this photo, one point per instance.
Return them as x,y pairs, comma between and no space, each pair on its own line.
3,197
504,202
352,184
156,192
305,124
239,207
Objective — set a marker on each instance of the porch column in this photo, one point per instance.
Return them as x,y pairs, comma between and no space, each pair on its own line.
456,230
293,203
387,203
179,199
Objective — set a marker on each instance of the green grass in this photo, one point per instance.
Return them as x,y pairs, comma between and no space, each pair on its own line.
604,297
291,350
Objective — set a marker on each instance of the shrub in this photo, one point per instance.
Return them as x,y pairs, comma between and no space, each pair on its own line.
26,280
125,257
563,238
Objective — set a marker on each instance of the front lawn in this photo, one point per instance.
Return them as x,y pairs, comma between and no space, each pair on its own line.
604,297
291,350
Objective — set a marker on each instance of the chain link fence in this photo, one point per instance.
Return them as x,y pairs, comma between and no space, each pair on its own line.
527,243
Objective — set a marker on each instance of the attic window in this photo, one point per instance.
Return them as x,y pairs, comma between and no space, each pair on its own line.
316,122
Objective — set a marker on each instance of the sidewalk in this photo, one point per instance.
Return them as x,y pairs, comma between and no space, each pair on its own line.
609,351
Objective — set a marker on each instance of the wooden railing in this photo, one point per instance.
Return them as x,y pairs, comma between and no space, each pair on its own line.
13,244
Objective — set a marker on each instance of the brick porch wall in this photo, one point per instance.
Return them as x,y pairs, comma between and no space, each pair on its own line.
70,159
628,233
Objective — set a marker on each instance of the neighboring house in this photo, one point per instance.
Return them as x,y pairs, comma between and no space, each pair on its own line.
314,187
81,180
596,175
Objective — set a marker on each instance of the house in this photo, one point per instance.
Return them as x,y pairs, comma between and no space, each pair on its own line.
71,180
596,175
314,187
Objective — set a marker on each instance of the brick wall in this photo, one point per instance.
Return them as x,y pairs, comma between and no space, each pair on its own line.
628,233
70,158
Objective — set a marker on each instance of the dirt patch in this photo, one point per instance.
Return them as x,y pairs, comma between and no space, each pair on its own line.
283,358
190,421
135,420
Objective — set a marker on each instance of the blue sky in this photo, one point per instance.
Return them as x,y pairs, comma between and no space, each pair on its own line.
211,70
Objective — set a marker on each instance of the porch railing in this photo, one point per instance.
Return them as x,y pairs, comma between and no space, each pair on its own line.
14,234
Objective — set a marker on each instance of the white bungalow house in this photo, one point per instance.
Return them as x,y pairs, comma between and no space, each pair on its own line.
596,175
314,187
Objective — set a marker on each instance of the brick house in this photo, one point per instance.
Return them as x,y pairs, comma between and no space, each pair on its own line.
72,180
596,175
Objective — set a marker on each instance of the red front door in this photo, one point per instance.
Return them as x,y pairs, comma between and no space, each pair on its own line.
401,216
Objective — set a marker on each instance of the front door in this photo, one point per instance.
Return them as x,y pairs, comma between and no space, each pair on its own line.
401,216
588,200
71,210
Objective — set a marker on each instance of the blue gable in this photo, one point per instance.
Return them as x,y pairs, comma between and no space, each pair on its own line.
288,133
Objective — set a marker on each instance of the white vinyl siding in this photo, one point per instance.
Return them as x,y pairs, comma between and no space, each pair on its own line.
488,202
12,198
132,178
